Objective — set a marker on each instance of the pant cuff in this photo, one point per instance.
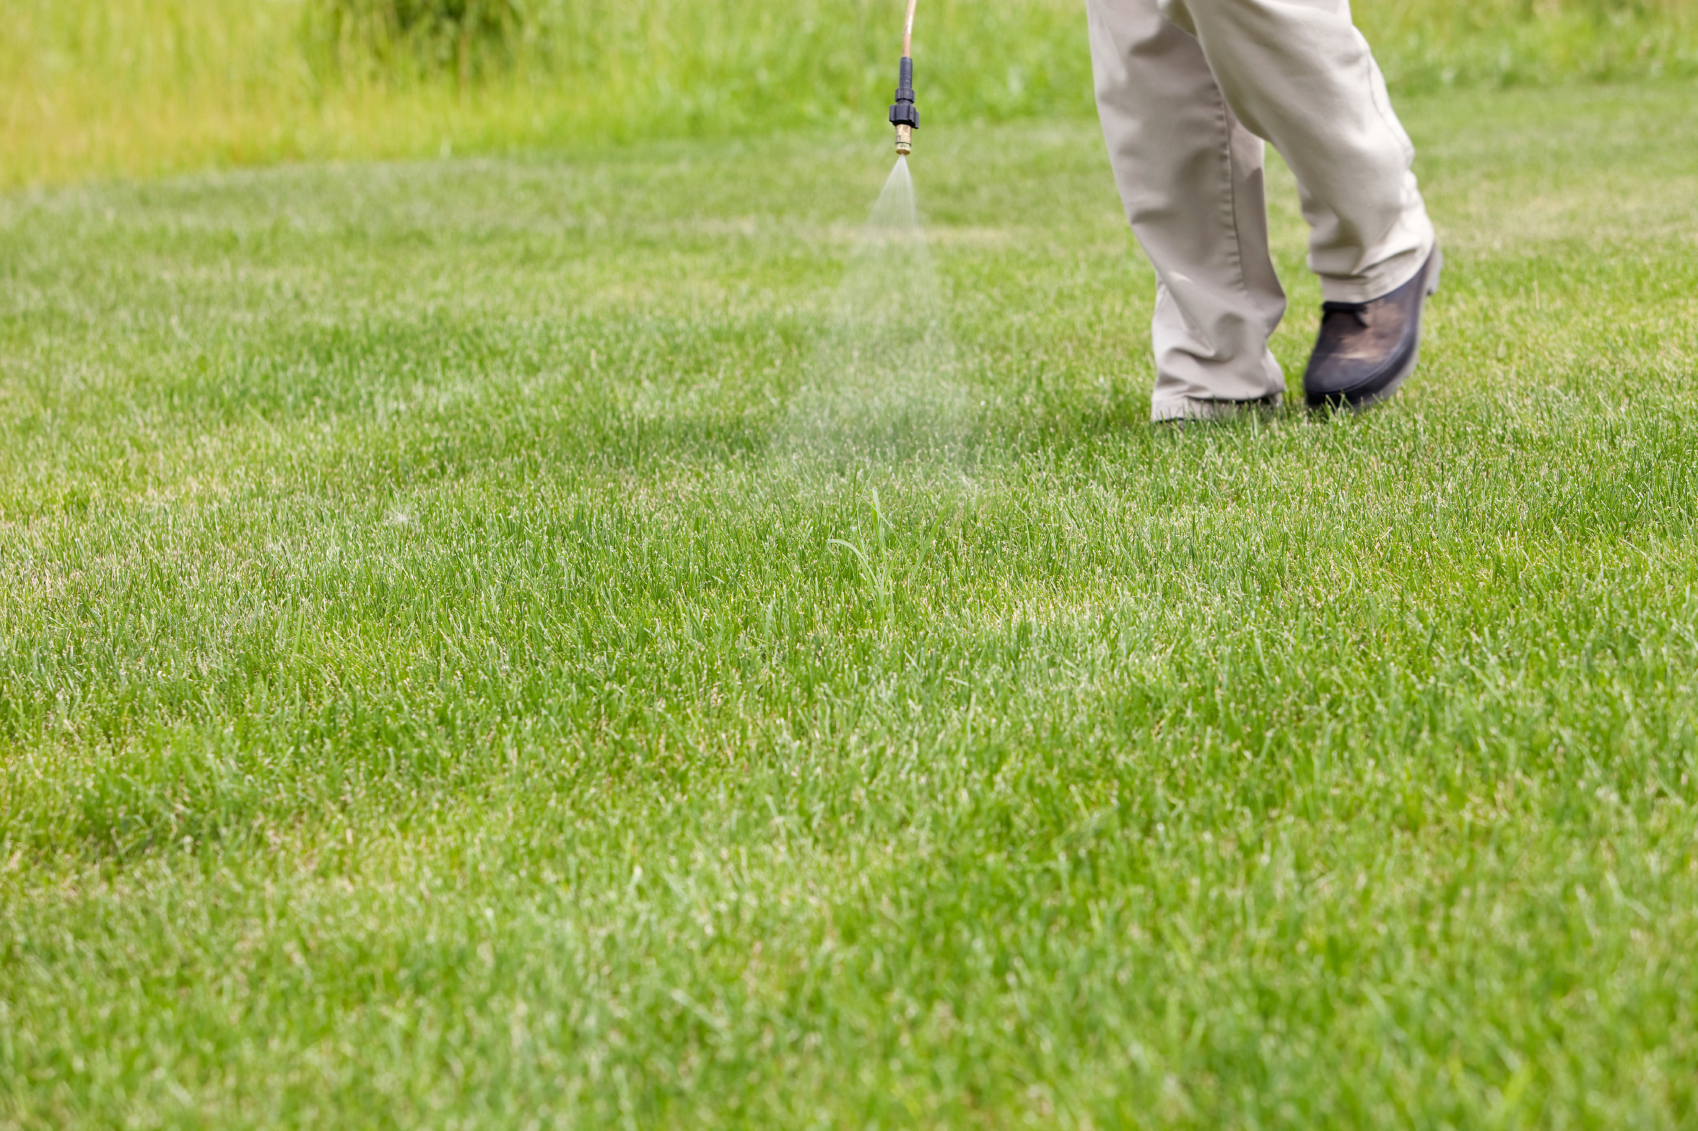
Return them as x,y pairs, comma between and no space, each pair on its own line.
1194,408
1378,283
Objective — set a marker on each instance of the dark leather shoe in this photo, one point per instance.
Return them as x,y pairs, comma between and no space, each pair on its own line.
1366,349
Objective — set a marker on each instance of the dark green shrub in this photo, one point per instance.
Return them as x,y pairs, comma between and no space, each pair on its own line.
465,39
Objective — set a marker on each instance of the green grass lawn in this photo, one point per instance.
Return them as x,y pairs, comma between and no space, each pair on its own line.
434,693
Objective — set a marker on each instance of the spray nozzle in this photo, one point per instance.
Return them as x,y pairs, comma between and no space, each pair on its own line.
905,116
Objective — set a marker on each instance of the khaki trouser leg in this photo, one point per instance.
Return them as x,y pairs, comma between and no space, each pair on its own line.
1184,89
1191,178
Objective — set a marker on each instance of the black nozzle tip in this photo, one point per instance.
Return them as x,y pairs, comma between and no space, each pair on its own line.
905,113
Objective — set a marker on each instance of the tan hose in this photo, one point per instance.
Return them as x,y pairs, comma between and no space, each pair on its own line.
905,133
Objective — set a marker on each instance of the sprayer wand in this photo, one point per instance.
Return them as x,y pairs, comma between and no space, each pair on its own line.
905,116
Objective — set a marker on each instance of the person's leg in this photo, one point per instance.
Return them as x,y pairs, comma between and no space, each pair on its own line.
1298,74
1190,176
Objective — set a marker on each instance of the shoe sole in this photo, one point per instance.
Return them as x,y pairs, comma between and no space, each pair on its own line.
1435,268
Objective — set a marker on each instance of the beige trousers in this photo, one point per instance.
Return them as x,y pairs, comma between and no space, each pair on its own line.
1187,91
